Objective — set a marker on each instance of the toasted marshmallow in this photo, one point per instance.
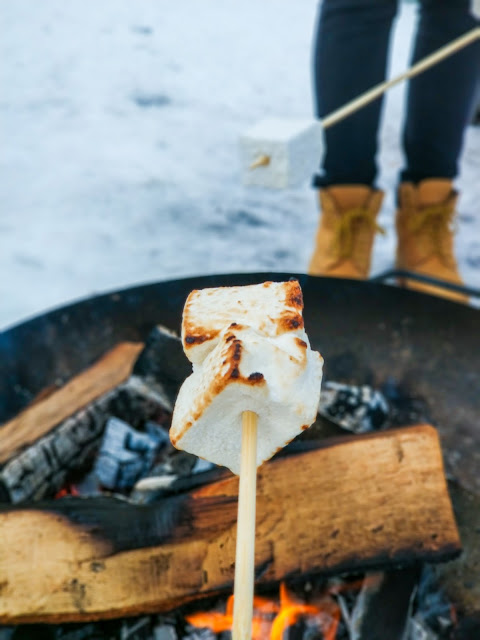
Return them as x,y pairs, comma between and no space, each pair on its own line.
277,377
272,308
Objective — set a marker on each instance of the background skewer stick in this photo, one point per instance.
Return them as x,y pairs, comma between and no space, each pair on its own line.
281,152
419,67
245,553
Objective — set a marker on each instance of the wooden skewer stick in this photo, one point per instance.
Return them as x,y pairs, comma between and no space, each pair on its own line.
262,161
245,553
422,65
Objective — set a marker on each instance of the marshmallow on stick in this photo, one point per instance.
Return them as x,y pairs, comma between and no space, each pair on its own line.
255,385
249,352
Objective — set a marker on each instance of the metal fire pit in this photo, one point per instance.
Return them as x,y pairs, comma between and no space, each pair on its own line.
369,333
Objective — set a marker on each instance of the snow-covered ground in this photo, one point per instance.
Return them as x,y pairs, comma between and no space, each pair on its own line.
119,154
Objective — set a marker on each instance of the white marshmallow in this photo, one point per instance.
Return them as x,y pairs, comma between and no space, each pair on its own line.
272,308
276,377
291,148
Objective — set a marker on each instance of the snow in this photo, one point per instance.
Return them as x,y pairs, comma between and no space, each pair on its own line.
119,158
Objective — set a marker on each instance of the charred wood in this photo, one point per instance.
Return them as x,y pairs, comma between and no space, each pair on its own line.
384,605
61,430
42,468
41,417
359,502
164,361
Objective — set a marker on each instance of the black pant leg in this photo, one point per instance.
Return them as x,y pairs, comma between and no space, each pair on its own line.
440,100
350,56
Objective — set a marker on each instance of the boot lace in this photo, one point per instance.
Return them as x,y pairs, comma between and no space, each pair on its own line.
435,222
346,231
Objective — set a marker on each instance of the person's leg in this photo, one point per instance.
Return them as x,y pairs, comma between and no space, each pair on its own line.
350,56
440,100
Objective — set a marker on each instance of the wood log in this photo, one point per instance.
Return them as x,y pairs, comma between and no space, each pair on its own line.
37,420
164,361
61,428
355,503
41,469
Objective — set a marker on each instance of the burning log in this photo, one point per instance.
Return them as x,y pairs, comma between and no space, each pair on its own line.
43,467
160,360
163,361
59,432
354,503
40,418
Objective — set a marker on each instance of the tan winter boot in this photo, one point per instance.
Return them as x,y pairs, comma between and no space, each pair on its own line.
425,234
346,231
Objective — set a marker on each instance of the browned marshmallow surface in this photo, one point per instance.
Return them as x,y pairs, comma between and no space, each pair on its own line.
278,378
271,308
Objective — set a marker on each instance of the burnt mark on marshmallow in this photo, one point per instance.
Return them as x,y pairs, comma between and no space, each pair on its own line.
174,439
233,356
296,301
294,323
301,343
196,339
256,377
237,350
290,321
294,297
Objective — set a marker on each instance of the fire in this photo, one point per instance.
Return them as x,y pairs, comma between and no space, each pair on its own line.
263,612
67,490
324,614
272,619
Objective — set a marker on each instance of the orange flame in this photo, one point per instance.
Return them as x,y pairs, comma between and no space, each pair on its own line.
325,615
263,611
271,620
67,490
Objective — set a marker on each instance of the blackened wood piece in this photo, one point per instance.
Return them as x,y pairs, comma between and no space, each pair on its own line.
163,360
42,468
125,527
36,421
468,628
357,503
384,605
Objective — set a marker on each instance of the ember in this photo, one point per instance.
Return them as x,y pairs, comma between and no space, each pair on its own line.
67,490
273,619
342,609
264,612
